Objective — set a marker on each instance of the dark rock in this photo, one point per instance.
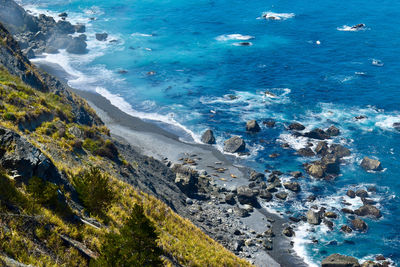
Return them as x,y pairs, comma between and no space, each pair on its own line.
337,260
359,224
311,198
347,211
230,198
296,126
294,219
333,131
340,151
256,176
346,229
380,258
330,214
274,155
317,134
269,123
208,137
396,125
329,224
315,169
101,36
331,164
77,46
63,15
370,263
234,144
306,152
238,245
296,174
29,53
264,194
80,28
64,27
252,126
240,212
361,193
371,164
361,117
368,210
185,178
288,231
246,195
351,194
292,186
322,148
313,217
51,50
367,201
281,195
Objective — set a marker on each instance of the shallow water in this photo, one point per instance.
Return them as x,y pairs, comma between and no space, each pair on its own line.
321,71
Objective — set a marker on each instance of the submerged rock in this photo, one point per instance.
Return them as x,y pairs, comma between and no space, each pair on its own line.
346,229
252,126
371,164
351,194
292,186
322,148
340,151
281,195
337,260
306,152
234,145
101,36
361,193
208,137
396,125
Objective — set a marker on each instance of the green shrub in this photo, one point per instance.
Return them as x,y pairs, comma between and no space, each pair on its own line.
135,245
44,193
9,116
101,148
94,190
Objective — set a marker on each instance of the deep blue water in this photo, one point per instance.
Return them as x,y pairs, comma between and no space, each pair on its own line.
185,44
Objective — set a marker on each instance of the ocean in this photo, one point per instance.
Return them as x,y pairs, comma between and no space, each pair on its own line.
180,64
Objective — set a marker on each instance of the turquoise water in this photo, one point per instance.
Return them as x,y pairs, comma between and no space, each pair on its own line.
320,72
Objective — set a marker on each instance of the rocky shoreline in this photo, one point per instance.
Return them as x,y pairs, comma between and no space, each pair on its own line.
220,198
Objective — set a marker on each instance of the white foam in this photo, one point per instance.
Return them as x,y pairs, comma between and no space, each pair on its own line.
346,28
293,141
377,62
235,36
141,34
269,15
301,241
118,101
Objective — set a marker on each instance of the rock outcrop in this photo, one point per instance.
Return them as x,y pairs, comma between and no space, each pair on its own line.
208,137
234,145
252,126
337,260
371,164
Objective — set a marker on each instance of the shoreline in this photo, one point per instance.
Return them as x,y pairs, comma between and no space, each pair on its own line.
153,141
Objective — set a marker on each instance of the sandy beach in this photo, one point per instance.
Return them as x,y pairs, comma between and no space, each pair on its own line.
156,142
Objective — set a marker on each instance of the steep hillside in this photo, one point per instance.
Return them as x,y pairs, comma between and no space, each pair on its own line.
53,150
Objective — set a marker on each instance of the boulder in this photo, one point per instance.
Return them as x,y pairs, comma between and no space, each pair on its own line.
337,260
322,148
330,214
230,198
340,151
80,28
317,134
185,178
296,174
370,263
368,210
351,194
361,193
281,195
347,211
331,164
264,194
246,195
240,212
64,27
101,36
313,217
346,229
296,126
234,145
269,123
329,224
306,152
315,169
252,126
77,46
371,164
333,131
292,186
288,231
359,224
256,176
208,137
